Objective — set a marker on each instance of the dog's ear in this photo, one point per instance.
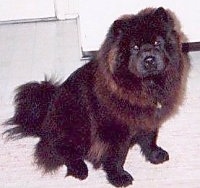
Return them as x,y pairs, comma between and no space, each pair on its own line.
118,28
162,15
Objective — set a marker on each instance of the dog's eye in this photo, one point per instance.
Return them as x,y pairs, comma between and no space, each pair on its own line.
136,48
157,43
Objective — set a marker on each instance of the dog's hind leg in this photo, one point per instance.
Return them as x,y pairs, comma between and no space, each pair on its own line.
67,132
51,155
46,156
74,160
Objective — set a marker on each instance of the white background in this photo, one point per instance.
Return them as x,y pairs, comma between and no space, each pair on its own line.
97,16
14,10
26,9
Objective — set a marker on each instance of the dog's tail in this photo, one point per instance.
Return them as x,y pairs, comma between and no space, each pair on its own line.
31,104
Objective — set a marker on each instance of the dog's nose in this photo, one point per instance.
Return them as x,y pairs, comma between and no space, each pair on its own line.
150,63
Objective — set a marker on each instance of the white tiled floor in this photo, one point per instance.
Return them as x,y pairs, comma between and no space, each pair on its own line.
27,52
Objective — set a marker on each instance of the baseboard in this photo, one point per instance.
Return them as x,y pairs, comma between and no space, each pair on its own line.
28,20
87,55
49,19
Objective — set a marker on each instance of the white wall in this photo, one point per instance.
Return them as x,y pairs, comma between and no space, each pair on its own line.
96,17
14,10
66,9
26,9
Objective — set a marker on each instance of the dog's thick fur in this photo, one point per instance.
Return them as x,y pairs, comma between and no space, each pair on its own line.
111,103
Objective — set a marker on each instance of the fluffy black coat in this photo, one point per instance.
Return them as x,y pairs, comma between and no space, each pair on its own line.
119,98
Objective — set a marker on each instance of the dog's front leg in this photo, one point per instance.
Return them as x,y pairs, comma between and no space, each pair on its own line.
118,140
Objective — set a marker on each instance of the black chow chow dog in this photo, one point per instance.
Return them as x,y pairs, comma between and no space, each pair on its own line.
118,99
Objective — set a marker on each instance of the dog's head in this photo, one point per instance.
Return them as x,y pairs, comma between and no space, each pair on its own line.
142,45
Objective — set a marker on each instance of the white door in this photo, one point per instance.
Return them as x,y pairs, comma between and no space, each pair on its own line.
26,9
97,16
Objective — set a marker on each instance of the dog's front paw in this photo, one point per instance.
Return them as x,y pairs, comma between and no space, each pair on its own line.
158,156
120,179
